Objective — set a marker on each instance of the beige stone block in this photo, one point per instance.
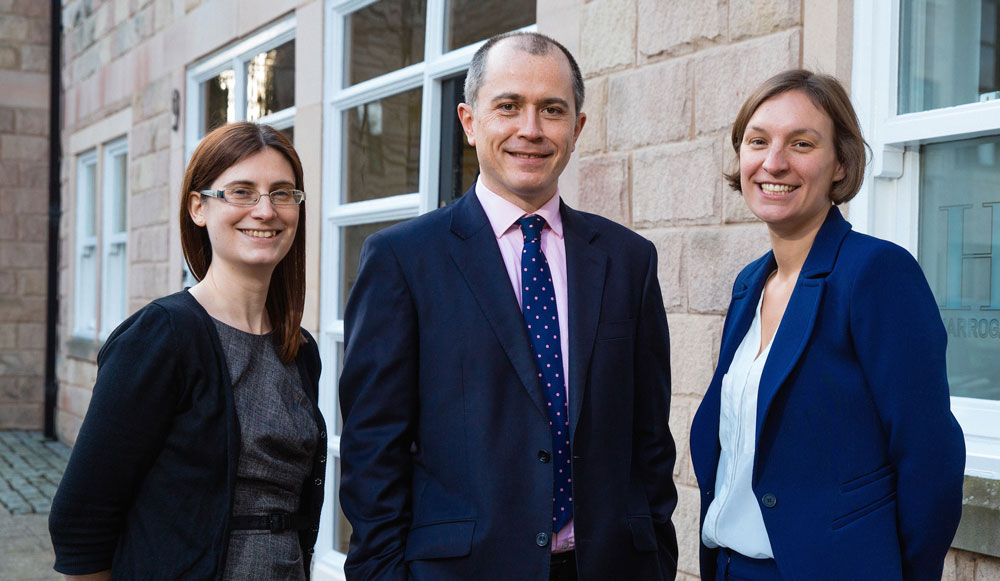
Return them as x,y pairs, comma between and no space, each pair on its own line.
723,78
7,116
14,28
32,283
8,227
149,207
33,228
40,30
149,244
685,520
694,352
673,28
22,362
67,427
669,245
21,416
34,175
987,568
32,121
145,283
677,184
713,258
8,335
10,58
32,8
604,187
31,336
104,19
749,18
24,147
607,36
8,284
146,173
75,400
22,254
592,138
651,105
24,201
680,427
9,174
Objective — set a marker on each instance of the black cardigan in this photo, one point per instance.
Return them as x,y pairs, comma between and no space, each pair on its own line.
149,485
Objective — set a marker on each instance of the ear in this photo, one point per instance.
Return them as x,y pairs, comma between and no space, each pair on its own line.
196,208
581,119
839,173
466,116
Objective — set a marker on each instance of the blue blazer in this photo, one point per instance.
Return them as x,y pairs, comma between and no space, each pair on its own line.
445,440
859,462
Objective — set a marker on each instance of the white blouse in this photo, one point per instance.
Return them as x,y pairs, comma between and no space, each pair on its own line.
734,519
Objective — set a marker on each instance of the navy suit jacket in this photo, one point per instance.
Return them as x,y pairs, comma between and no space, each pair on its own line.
443,471
859,461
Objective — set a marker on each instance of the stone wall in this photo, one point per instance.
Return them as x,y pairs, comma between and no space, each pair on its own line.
24,209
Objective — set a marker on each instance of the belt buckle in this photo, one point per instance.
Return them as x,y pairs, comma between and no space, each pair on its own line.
277,522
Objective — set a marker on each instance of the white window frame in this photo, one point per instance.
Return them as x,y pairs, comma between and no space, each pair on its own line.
114,245
235,56
888,203
86,285
436,66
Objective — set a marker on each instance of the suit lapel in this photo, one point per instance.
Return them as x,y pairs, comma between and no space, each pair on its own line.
478,258
586,268
797,323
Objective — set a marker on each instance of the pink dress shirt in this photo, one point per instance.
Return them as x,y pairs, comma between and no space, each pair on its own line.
503,217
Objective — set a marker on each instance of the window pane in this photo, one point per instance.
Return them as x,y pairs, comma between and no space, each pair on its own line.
935,36
88,206
118,172
218,95
459,164
338,425
383,37
113,289
470,21
383,147
352,239
960,253
271,81
289,133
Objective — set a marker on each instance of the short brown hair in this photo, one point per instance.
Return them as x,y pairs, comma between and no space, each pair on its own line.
217,152
828,95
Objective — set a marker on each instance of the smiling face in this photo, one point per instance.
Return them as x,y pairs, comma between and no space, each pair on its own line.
524,123
249,237
788,163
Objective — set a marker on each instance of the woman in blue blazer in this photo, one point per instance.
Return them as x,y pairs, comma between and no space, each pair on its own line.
825,447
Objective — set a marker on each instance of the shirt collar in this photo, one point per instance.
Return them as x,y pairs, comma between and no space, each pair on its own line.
503,215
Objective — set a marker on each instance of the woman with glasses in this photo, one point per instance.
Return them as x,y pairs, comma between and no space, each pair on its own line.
202,453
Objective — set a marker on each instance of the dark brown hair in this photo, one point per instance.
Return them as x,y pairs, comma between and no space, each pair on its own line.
217,152
828,95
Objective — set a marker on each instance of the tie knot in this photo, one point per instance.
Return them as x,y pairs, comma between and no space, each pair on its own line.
531,227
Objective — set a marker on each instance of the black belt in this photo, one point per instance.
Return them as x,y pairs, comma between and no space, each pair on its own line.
278,522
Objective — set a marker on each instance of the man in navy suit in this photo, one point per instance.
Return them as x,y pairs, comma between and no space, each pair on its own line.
506,384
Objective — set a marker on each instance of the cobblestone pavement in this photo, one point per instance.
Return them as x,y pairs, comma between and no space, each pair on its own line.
30,469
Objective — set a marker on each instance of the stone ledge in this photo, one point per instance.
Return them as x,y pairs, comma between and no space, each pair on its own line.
85,349
979,531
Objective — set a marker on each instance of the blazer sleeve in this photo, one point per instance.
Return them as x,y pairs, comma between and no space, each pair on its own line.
655,452
909,383
378,397
130,412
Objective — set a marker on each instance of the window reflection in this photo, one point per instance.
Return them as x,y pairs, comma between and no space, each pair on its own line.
960,253
271,81
383,37
383,147
350,254
220,100
470,21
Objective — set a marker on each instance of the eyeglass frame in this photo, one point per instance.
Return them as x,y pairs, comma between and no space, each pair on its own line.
298,196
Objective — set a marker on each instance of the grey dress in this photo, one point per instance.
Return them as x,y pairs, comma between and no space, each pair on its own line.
278,442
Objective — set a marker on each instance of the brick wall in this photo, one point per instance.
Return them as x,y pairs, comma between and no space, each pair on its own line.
24,201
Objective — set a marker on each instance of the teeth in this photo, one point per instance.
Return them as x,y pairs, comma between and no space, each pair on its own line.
776,188
260,233
526,155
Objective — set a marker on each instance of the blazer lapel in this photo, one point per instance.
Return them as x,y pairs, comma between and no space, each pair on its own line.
586,268
797,323
478,258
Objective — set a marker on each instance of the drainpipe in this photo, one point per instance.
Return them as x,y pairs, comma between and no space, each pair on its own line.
55,212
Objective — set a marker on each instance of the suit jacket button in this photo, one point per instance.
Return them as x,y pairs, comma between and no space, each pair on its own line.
769,500
542,539
543,457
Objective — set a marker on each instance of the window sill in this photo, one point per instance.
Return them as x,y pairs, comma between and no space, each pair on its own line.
83,348
979,530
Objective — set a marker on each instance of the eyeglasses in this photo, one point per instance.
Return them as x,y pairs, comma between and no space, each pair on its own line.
248,197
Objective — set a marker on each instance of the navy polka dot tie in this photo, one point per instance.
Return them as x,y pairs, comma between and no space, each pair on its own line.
538,303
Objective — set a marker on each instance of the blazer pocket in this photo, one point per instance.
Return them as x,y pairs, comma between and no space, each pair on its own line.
643,534
865,494
441,540
615,330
